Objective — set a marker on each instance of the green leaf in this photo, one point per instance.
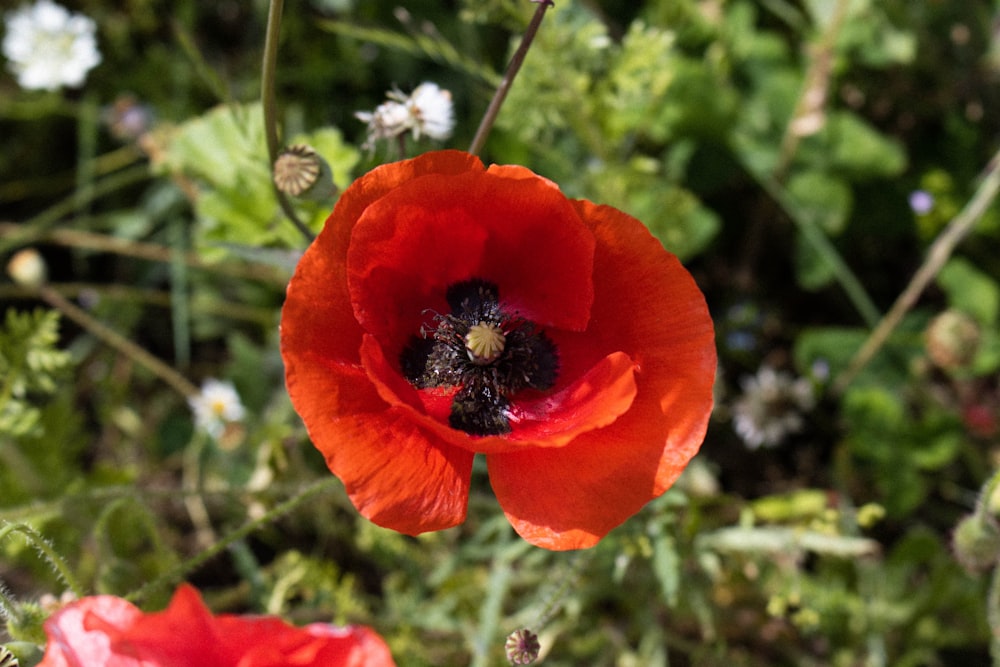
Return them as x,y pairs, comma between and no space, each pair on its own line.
673,214
812,271
970,290
820,199
29,360
224,152
857,150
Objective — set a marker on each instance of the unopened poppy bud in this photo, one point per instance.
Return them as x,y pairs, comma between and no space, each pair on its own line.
299,171
976,542
27,268
952,340
522,647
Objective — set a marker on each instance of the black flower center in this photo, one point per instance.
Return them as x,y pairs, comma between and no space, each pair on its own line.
489,354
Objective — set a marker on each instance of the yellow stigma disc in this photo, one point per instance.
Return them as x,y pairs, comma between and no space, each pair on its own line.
484,342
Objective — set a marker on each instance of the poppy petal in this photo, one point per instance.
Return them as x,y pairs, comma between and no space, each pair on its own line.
648,306
396,474
593,401
186,633
319,335
76,633
182,634
430,233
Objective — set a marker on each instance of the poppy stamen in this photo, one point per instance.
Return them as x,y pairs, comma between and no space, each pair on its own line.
487,353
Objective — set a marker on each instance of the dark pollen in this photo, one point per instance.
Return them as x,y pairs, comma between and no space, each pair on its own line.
442,356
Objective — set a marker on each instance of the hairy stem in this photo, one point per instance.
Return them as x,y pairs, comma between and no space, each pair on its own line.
45,549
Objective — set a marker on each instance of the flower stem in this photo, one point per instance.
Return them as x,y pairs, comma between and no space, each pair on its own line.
993,616
939,253
815,237
44,548
508,78
267,77
813,97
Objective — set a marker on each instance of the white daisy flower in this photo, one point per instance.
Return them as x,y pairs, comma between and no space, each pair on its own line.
428,110
216,405
48,47
432,111
771,407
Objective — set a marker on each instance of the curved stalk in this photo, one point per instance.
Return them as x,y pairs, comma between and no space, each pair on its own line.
489,118
267,78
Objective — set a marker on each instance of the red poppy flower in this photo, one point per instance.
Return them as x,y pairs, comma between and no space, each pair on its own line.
447,309
107,631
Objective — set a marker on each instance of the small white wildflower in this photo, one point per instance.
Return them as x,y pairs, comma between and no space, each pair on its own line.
428,110
48,47
216,405
432,111
771,407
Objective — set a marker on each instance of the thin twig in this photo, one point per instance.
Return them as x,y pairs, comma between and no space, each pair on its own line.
75,238
813,97
267,77
182,385
508,78
261,315
939,253
65,207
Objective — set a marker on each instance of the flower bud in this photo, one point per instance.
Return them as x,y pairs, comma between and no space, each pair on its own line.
20,653
952,340
976,542
522,647
27,268
299,171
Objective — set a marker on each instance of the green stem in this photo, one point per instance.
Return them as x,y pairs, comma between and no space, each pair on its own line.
52,215
179,572
938,254
269,68
111,337
507,551
42,545
821,244
555,599
192,484
508,78
105,243
993,616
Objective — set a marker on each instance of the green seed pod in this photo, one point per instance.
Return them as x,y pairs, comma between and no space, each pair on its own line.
299,171
976,542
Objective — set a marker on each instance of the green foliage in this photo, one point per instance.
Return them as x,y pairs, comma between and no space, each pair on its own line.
31,366
971,291
224,152
770,144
